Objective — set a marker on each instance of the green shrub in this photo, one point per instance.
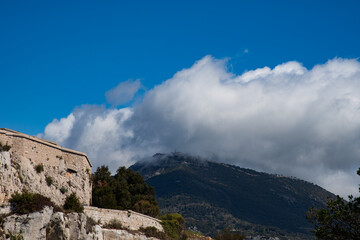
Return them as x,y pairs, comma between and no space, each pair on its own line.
39,168
72,204
113,224
153,232
174,225
15,236
26,202
63,190
49,180
4,148
21,179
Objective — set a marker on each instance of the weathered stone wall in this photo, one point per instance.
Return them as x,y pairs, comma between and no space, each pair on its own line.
68,170
129,219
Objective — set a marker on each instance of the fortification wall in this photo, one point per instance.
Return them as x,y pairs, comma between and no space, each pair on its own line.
65,171
129,219
69,171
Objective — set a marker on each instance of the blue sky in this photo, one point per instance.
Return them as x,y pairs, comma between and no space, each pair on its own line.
55,55
269,85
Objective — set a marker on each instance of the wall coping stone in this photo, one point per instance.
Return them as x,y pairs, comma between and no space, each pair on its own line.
92,208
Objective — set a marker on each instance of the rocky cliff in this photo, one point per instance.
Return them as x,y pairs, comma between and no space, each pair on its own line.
50,225
33,164
38,166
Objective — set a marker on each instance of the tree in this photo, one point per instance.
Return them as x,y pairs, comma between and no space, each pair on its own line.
125,190
174,225
102,192
339,220
133,192
72,203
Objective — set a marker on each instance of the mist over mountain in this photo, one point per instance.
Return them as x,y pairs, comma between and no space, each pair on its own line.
287,119
212,196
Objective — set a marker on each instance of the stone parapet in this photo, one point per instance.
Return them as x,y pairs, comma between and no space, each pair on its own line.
129,219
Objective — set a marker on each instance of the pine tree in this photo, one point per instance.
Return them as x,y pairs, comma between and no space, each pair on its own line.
339,220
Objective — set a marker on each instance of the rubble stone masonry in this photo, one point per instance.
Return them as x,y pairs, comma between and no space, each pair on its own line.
65,170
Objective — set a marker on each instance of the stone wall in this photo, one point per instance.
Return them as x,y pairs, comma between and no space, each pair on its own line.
129,219
67,170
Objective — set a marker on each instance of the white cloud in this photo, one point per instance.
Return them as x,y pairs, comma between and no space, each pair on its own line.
59,131
123,92
289,120
98,132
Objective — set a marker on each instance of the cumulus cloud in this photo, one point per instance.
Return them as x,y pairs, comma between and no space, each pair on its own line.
289,120
123,92
98,132
59,130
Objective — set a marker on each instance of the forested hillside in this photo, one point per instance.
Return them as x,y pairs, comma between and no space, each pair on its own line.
213,196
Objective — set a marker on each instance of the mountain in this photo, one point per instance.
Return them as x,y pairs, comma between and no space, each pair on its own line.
213,196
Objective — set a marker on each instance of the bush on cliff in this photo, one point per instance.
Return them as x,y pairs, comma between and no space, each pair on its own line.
125,190
73,204
39,168
4,148
27,202
154,232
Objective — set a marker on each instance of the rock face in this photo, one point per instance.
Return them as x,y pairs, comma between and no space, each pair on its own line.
39,166
61,172
49,225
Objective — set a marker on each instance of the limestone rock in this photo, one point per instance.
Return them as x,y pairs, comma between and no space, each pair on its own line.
49,225
63,170
30,226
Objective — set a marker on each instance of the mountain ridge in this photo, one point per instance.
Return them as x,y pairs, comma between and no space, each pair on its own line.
213,195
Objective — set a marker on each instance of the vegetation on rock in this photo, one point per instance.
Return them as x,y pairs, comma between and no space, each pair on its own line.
27,202
14,236
154,232
125,190
49,180
73,204
4,148
113,224
340,219
174,225
39,168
